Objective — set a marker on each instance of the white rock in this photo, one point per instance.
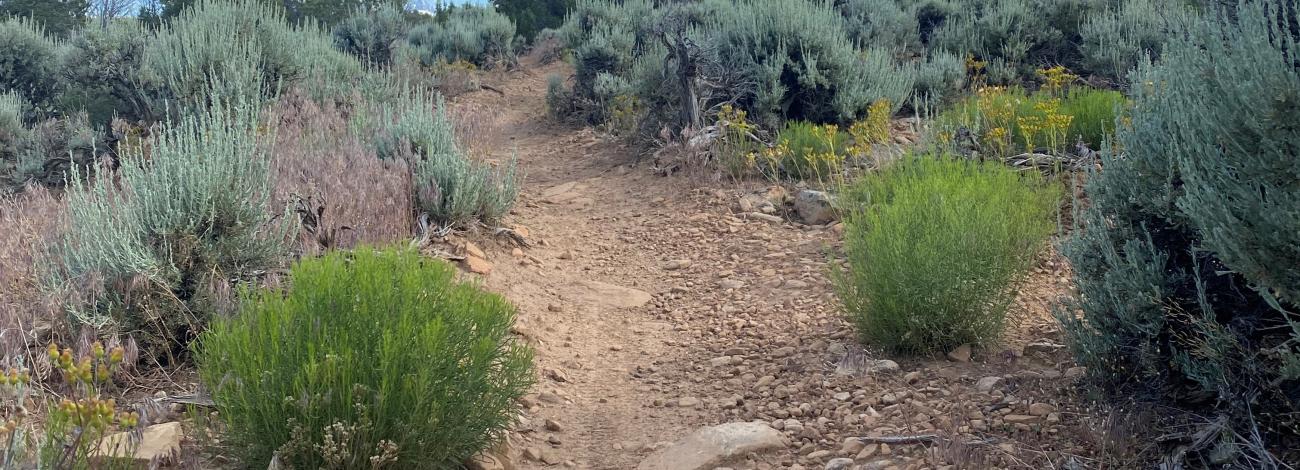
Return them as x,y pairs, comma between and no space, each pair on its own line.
711,447
159,443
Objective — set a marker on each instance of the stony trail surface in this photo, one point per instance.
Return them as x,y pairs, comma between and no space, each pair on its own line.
658,306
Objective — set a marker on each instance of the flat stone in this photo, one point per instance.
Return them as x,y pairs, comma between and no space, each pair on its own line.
987,384
711,447
961,354
158,443
478,265
559,189
839,464
1020,419
614,296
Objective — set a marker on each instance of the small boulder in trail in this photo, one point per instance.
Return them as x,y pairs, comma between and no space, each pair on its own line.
710,447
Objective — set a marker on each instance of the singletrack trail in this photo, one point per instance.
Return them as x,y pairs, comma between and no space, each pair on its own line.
656,307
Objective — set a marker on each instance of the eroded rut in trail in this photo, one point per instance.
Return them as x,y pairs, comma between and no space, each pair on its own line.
656,308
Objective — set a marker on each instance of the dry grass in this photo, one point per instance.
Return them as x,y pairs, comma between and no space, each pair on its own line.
32,220
345,195
477,127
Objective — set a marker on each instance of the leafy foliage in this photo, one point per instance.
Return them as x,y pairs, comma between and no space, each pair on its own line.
58,17
533,16
1187,258
371,35
370,360
242,42
1011,121
182,217
479,35
101,72
28,60
450,187
935,249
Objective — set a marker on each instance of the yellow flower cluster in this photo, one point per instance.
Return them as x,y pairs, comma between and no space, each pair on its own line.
736,151
872,130
1056,78
90,410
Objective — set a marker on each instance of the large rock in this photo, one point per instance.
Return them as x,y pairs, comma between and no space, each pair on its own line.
614,296
159,444
815,207
714,446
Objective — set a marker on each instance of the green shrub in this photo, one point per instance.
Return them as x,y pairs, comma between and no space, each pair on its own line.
371,35
802,63
479,35
41,153
244,41
810,151
183,216
1021,35
1115,40
883,23
451,187
28,62
940,78
1012,121
1187,258
370,360
559,100
935,249
101,74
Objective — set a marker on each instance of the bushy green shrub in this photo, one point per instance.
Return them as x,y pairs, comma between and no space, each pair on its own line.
940,78
369,360
245,41
450,186
1187,259
776,59
1009,121
479,35
802,64
1113,41
101,74
28,62
371,35
183,216
935,249
1021,35
810,151
41,153
881,23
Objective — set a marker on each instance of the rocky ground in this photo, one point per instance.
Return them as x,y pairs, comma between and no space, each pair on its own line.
681,323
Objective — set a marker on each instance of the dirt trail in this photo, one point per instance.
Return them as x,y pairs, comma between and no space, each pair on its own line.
654,310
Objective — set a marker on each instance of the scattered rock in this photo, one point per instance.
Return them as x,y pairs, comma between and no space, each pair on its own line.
765,217
473,250
553,426
815,207
711,447
881,365
1020,419
1041,409
961,354
557,375
986,384
677,264
478,265
158,443
688,402
839,464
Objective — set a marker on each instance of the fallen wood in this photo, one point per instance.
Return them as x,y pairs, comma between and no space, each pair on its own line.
917,439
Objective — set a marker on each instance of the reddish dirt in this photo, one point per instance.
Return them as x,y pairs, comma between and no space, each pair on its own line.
740,322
